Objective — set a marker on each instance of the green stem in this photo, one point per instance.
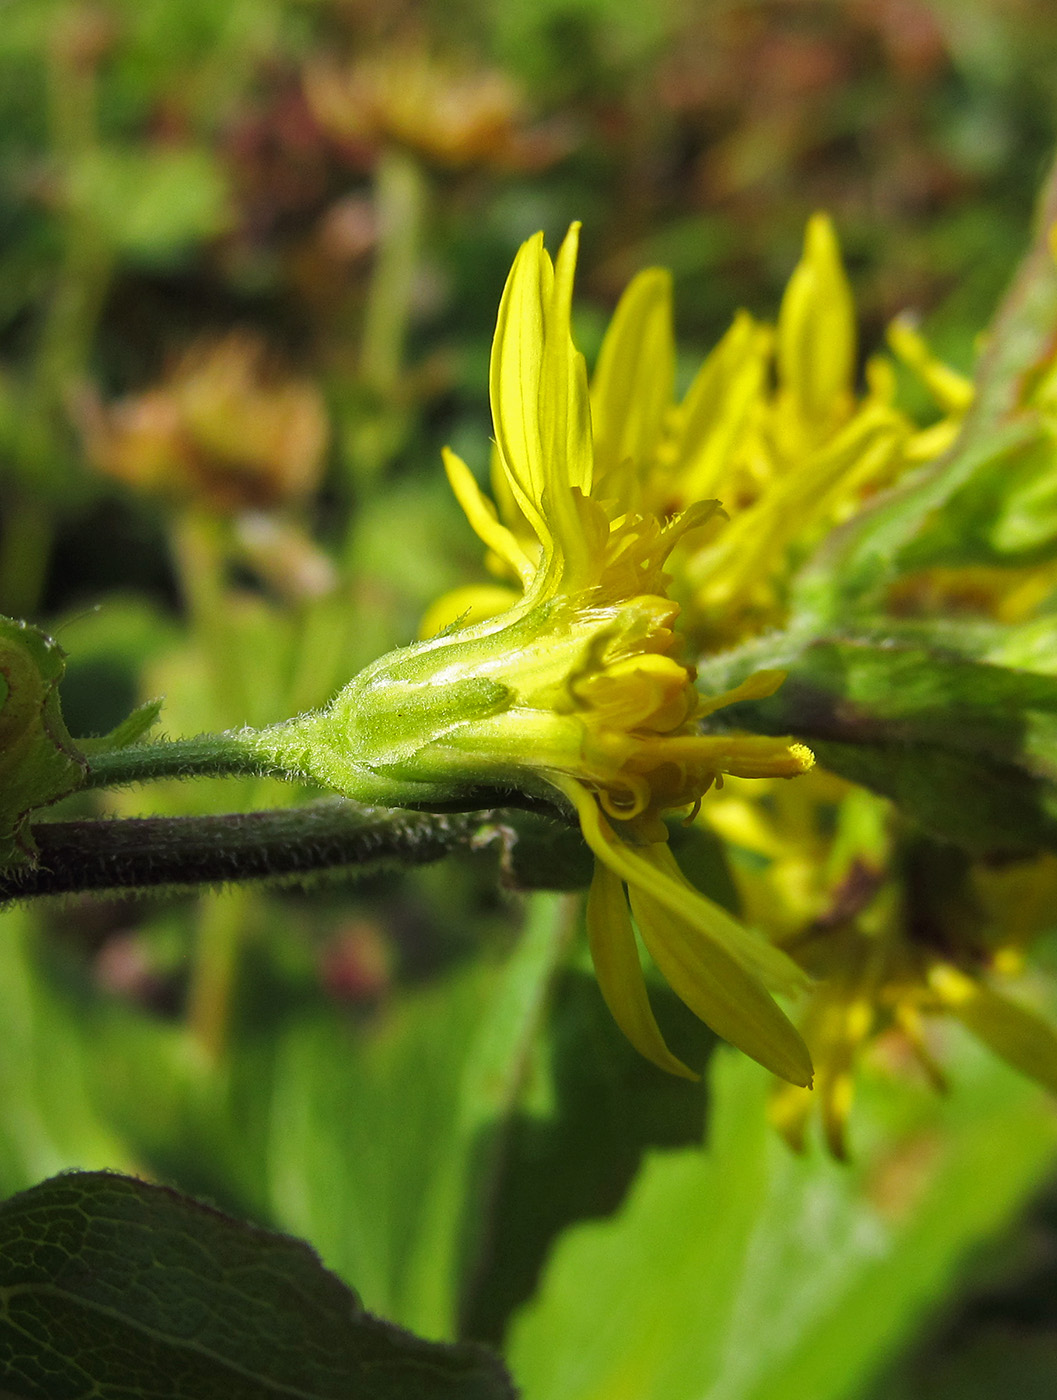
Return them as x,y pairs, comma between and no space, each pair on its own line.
288,845
235,754
400,198
221,927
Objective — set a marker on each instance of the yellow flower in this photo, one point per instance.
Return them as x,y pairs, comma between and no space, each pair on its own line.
771,426
616,714
775,429
576,686
888,952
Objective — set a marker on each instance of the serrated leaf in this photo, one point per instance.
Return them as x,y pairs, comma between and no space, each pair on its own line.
113,1288
39,762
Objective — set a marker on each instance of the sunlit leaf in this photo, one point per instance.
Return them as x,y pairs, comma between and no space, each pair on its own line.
743,1272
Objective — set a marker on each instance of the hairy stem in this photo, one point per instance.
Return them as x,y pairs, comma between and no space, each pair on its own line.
291,844
400,196
230,755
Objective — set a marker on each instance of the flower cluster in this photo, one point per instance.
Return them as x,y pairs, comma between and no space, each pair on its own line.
611,501
771,427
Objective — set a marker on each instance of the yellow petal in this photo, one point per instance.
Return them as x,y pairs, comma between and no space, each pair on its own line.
758,686
634,380
616,960
1016,1034
789,1111
514,378
565,404
465,606
844,1020
758,536
541,408
717,411
565,429
951,390
816,328
653,870
481,514
719,991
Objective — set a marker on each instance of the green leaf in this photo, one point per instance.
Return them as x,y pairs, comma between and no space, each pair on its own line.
743,1272
967,748
152,204
116,1288
379,1142
1005,515
578,1139
397,1194
48,1122
39,762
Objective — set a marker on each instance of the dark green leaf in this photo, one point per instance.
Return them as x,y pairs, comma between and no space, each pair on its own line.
114,1288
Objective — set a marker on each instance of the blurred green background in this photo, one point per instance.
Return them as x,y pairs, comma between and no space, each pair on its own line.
250,258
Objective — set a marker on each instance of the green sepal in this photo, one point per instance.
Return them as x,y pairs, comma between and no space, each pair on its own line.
374,741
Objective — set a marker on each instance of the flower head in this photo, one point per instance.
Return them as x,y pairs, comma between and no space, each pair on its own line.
575,686
224,427
451,114
772,427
